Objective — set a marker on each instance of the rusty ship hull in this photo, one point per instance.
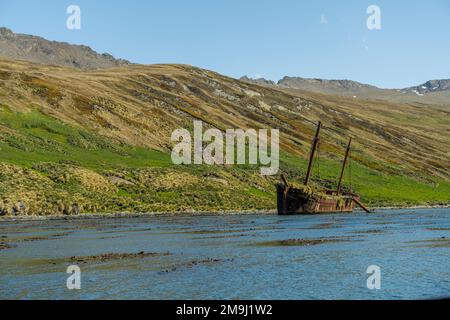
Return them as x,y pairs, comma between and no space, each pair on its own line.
302,199
294,201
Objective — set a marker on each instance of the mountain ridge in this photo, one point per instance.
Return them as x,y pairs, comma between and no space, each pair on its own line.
432,91
431,85
40,50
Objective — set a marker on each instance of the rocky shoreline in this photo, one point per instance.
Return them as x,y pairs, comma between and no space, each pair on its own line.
181,213
135,215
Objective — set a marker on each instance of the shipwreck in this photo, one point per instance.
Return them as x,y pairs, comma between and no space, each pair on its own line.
303,199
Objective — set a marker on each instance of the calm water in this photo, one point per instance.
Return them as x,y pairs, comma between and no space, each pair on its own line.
232,257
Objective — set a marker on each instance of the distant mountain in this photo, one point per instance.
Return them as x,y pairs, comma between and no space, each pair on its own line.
39,50
431,92
430,86
260,81
348,87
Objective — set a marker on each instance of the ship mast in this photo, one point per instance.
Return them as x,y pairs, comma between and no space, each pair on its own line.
313,152
338,191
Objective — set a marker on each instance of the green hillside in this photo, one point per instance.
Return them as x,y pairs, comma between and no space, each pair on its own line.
101,139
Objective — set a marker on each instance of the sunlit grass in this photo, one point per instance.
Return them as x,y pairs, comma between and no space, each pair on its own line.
34,138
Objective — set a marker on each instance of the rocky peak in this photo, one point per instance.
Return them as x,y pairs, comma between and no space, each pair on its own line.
39,50
259,81
429,87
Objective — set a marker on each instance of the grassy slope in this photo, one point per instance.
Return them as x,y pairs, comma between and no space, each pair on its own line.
52,158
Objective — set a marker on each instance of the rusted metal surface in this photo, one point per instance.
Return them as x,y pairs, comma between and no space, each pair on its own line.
303,200
361,205
284,180
295,201
312,153
338,191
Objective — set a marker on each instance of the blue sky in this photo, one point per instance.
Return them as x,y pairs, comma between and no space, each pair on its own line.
257,37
